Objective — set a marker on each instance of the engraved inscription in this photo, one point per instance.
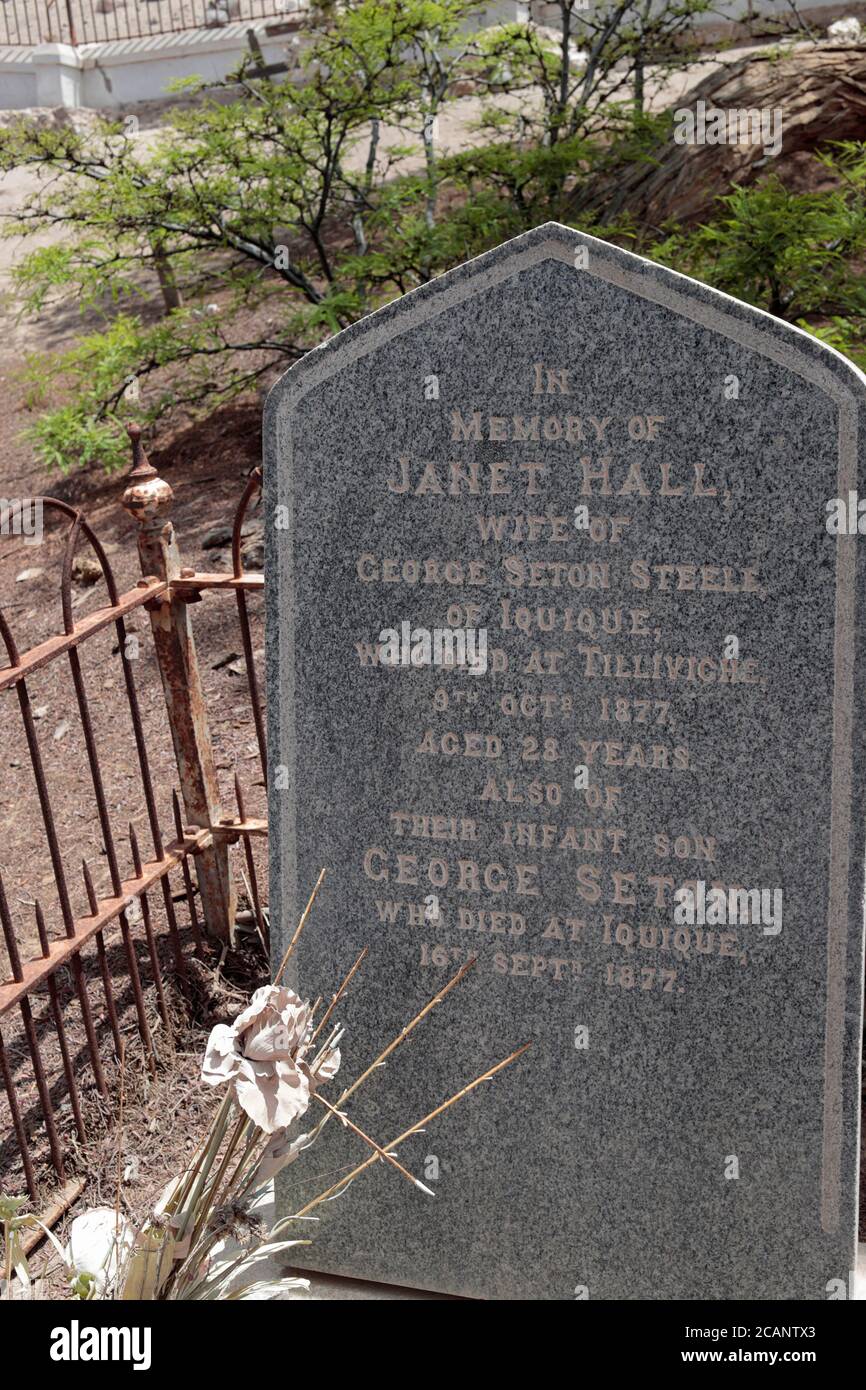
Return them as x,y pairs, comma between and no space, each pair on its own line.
549,778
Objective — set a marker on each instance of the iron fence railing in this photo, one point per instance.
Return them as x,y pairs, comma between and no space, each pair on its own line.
31,22
71,973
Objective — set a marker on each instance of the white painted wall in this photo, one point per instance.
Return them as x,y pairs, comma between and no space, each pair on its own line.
17,79
117,75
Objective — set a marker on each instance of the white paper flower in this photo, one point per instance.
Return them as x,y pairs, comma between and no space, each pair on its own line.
256,1056
327,1068
99,1244
280,1152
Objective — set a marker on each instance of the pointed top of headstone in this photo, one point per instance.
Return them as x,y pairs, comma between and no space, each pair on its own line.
626,287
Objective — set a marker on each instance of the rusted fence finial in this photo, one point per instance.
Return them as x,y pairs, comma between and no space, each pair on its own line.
141,465
148,497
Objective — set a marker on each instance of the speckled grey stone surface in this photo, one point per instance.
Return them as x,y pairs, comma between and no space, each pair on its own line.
603,1171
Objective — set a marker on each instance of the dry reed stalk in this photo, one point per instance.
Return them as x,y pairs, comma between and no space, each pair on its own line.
340,992
299,928
440,1109
389,1158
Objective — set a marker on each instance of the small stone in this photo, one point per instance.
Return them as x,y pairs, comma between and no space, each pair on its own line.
33,573
40,711
847,30
61,731
132,1171
218,536
86,570
253,552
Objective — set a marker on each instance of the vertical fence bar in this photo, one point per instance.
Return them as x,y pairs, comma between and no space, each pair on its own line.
60,880
73,37
26,712
17,1124
187,877
32,1037
148,932
134,976
102,957
57,1014
262,925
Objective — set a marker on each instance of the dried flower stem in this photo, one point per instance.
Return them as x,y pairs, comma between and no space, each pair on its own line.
251,900
446,1105
178,1198
400,1038
299,928
389,1158
234,1184
210,1195
404,1033
214,1143
340,992
7,1257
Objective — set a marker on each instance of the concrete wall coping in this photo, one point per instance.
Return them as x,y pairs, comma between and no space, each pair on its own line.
143,50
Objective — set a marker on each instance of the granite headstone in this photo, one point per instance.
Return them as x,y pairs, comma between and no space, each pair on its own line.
566,672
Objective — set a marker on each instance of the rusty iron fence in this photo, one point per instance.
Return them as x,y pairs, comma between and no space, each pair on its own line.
31,22
90,958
